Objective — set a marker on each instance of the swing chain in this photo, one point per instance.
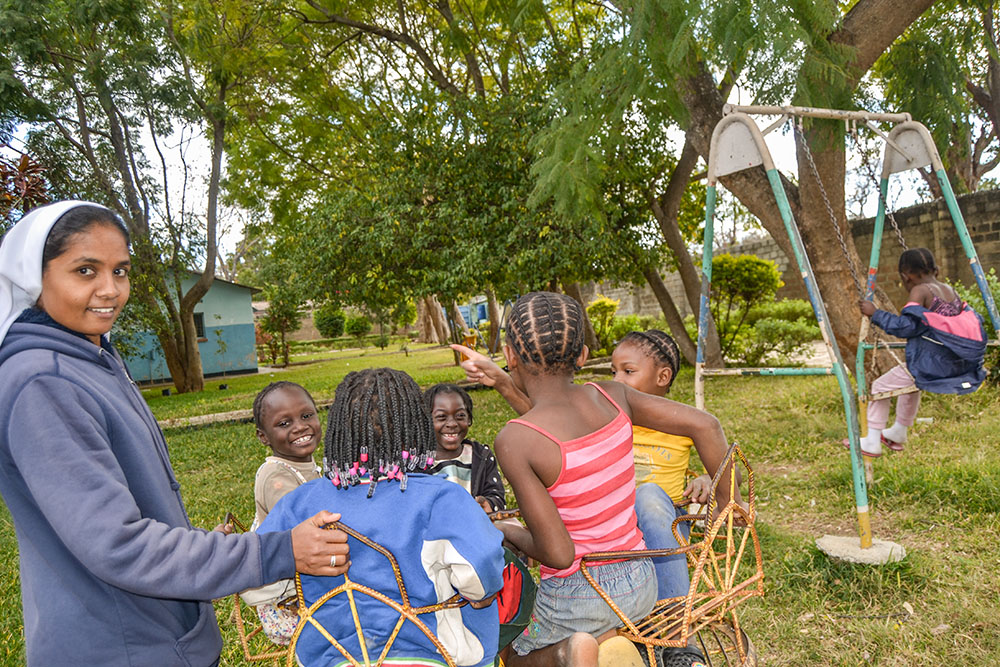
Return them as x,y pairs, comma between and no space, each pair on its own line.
878,189
797,128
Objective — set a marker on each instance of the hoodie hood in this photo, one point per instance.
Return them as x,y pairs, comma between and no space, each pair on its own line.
25,336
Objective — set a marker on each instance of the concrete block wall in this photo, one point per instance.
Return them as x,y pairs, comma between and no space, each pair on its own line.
926,225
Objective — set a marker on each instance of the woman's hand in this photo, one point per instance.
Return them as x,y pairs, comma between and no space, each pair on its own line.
319,551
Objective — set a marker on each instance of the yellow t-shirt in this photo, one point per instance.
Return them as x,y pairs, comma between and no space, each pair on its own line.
661,458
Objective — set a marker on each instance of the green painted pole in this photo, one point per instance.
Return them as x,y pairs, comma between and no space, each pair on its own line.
840,371
970,250
703,302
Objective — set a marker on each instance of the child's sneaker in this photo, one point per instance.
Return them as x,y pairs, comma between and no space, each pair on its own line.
671,656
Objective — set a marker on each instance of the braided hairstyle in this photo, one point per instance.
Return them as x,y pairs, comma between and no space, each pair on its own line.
258,401
545,330
377,427
917,261
659,345
447,388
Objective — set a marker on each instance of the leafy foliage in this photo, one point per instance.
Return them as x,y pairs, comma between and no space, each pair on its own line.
602,312
329,320
358,326
284,314
738,284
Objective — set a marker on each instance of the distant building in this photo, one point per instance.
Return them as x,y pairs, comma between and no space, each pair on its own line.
226,338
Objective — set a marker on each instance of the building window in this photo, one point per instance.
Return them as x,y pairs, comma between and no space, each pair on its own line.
199,325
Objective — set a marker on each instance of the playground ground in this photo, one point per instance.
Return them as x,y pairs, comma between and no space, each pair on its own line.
940,498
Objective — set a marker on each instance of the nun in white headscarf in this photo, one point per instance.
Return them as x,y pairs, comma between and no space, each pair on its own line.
112,572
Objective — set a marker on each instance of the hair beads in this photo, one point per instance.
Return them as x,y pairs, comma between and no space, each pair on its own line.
377,415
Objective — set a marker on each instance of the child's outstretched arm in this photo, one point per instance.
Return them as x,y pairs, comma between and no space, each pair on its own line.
662,414
480,368
526,457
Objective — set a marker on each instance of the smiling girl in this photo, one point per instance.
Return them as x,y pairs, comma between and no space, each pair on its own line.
112,571
466,462
286,420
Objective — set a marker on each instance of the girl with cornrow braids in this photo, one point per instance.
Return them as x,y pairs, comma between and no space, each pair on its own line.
379,443
569,462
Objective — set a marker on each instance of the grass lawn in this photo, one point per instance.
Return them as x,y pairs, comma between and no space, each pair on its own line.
940,498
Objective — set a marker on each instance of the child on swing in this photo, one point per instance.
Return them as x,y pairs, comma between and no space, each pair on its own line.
569,462
945,345
378,440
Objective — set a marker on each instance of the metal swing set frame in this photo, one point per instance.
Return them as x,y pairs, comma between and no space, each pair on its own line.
738,144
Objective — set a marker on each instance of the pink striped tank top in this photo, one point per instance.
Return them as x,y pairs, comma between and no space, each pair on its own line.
595,490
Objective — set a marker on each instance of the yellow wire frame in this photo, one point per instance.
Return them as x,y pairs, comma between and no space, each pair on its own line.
406,612
675,620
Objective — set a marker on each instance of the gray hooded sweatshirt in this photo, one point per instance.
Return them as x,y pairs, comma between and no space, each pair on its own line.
112,572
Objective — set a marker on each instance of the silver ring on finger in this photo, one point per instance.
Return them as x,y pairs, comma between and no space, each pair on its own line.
333,560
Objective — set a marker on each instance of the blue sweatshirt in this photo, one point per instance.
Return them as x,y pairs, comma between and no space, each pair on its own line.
444,544
112,572
944,354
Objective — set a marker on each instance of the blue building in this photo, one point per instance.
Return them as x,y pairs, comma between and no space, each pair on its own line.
226,337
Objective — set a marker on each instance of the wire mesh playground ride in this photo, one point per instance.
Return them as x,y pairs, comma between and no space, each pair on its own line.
738,144
726,569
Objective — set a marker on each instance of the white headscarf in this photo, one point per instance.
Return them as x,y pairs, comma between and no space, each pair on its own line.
21,260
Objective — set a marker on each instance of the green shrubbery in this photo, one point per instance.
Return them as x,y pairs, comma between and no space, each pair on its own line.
358,326
975,299
329,320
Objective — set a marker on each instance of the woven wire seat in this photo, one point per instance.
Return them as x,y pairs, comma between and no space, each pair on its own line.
249,629
726,570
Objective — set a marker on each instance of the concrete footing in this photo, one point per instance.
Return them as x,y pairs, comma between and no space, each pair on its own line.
849,549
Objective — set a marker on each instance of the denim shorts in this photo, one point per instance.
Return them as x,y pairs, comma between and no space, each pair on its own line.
564,605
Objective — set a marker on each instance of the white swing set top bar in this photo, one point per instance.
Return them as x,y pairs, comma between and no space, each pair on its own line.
813,112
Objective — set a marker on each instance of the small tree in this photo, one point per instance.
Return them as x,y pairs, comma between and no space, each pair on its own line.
359,327
602,313
403,315
738,284
329,320
284,314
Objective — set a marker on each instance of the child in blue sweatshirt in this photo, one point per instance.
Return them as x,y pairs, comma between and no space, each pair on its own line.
378,439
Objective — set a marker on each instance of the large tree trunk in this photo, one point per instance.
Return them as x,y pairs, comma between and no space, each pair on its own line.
589,335
494,311
439,320
426,332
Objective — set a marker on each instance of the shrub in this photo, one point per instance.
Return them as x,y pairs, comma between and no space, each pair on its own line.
739,283
771,336
974,297
601,312
329,320
358,326
789,310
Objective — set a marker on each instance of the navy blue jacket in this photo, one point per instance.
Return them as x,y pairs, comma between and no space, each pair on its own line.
943,354
112,572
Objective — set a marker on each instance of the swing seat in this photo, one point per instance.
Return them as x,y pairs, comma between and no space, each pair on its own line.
895,392
727,571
